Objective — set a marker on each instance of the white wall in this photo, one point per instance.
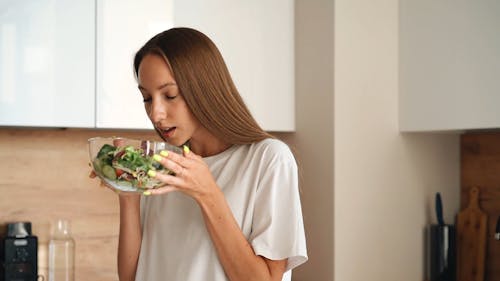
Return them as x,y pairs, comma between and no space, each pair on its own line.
367,190
313,139
384,181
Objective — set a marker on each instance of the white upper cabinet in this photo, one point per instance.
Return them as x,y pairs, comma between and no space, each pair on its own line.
256,39
47,63
449,65
70,63
123,26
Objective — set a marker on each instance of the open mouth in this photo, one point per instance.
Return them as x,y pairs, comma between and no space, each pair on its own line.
167,132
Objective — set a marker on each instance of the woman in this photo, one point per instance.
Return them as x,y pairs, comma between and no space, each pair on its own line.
232,210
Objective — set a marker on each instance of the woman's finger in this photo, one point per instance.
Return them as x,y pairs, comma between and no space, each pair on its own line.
161,190
185,150
191,155
118,142
169,164
177,158
103,184
168,179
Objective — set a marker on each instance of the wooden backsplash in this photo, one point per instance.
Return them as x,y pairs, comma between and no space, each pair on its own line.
480,157
44,176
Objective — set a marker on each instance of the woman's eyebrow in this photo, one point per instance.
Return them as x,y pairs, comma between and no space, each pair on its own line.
159,87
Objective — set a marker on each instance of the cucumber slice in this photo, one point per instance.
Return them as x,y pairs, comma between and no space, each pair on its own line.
109,172
97,163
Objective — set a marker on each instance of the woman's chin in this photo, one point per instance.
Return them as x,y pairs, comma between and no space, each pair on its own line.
175,142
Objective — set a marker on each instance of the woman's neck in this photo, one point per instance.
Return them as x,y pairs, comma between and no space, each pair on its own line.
205,144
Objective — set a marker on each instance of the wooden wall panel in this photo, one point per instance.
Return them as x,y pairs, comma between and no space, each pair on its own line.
44,176
480,166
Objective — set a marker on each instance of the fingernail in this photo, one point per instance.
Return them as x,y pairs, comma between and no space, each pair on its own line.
186,149
152,173
157,157
164,153
146,193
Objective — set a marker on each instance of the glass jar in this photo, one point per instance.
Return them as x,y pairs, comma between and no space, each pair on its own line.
61,253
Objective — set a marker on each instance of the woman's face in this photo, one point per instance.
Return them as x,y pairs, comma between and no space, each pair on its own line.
164,104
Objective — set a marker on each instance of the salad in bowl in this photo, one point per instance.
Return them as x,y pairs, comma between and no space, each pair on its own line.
124,163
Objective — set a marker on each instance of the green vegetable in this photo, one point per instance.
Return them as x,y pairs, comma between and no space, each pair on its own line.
109,172
106,150
128,166
97,163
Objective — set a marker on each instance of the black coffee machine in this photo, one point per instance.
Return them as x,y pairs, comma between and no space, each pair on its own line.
18,253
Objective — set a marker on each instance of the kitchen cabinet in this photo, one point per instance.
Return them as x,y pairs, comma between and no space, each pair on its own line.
47,63
71,64
122,28
256,39
449,63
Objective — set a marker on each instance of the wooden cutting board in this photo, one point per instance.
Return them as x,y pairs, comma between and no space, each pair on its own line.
471,236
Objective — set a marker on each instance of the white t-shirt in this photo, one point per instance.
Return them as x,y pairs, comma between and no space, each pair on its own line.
260,183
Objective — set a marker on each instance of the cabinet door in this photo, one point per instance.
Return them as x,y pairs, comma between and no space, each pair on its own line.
449,65
47,63
256,39
123,26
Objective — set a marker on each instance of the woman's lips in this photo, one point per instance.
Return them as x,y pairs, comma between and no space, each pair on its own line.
169,132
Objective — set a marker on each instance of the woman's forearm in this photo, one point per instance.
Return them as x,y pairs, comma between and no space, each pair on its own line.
129,242
235,253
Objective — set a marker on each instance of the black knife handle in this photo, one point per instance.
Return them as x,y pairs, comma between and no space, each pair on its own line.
439,209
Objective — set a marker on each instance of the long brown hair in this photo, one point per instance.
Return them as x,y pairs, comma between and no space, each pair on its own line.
205,84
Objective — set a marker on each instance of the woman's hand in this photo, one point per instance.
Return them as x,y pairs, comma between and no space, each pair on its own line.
192,175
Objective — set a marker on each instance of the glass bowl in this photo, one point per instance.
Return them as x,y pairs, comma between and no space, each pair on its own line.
123,163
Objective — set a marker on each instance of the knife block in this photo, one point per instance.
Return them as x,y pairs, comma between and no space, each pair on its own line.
442,242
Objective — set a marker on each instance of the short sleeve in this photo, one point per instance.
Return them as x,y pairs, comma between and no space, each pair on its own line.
277,226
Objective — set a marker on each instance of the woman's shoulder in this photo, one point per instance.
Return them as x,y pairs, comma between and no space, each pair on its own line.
272,149
272,144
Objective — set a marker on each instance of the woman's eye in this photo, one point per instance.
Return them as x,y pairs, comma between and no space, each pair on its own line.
146,99
170,97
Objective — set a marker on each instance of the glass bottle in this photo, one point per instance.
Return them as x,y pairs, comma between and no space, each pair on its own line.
61,253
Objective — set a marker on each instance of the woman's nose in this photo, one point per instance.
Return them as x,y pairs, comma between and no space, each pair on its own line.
158,110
